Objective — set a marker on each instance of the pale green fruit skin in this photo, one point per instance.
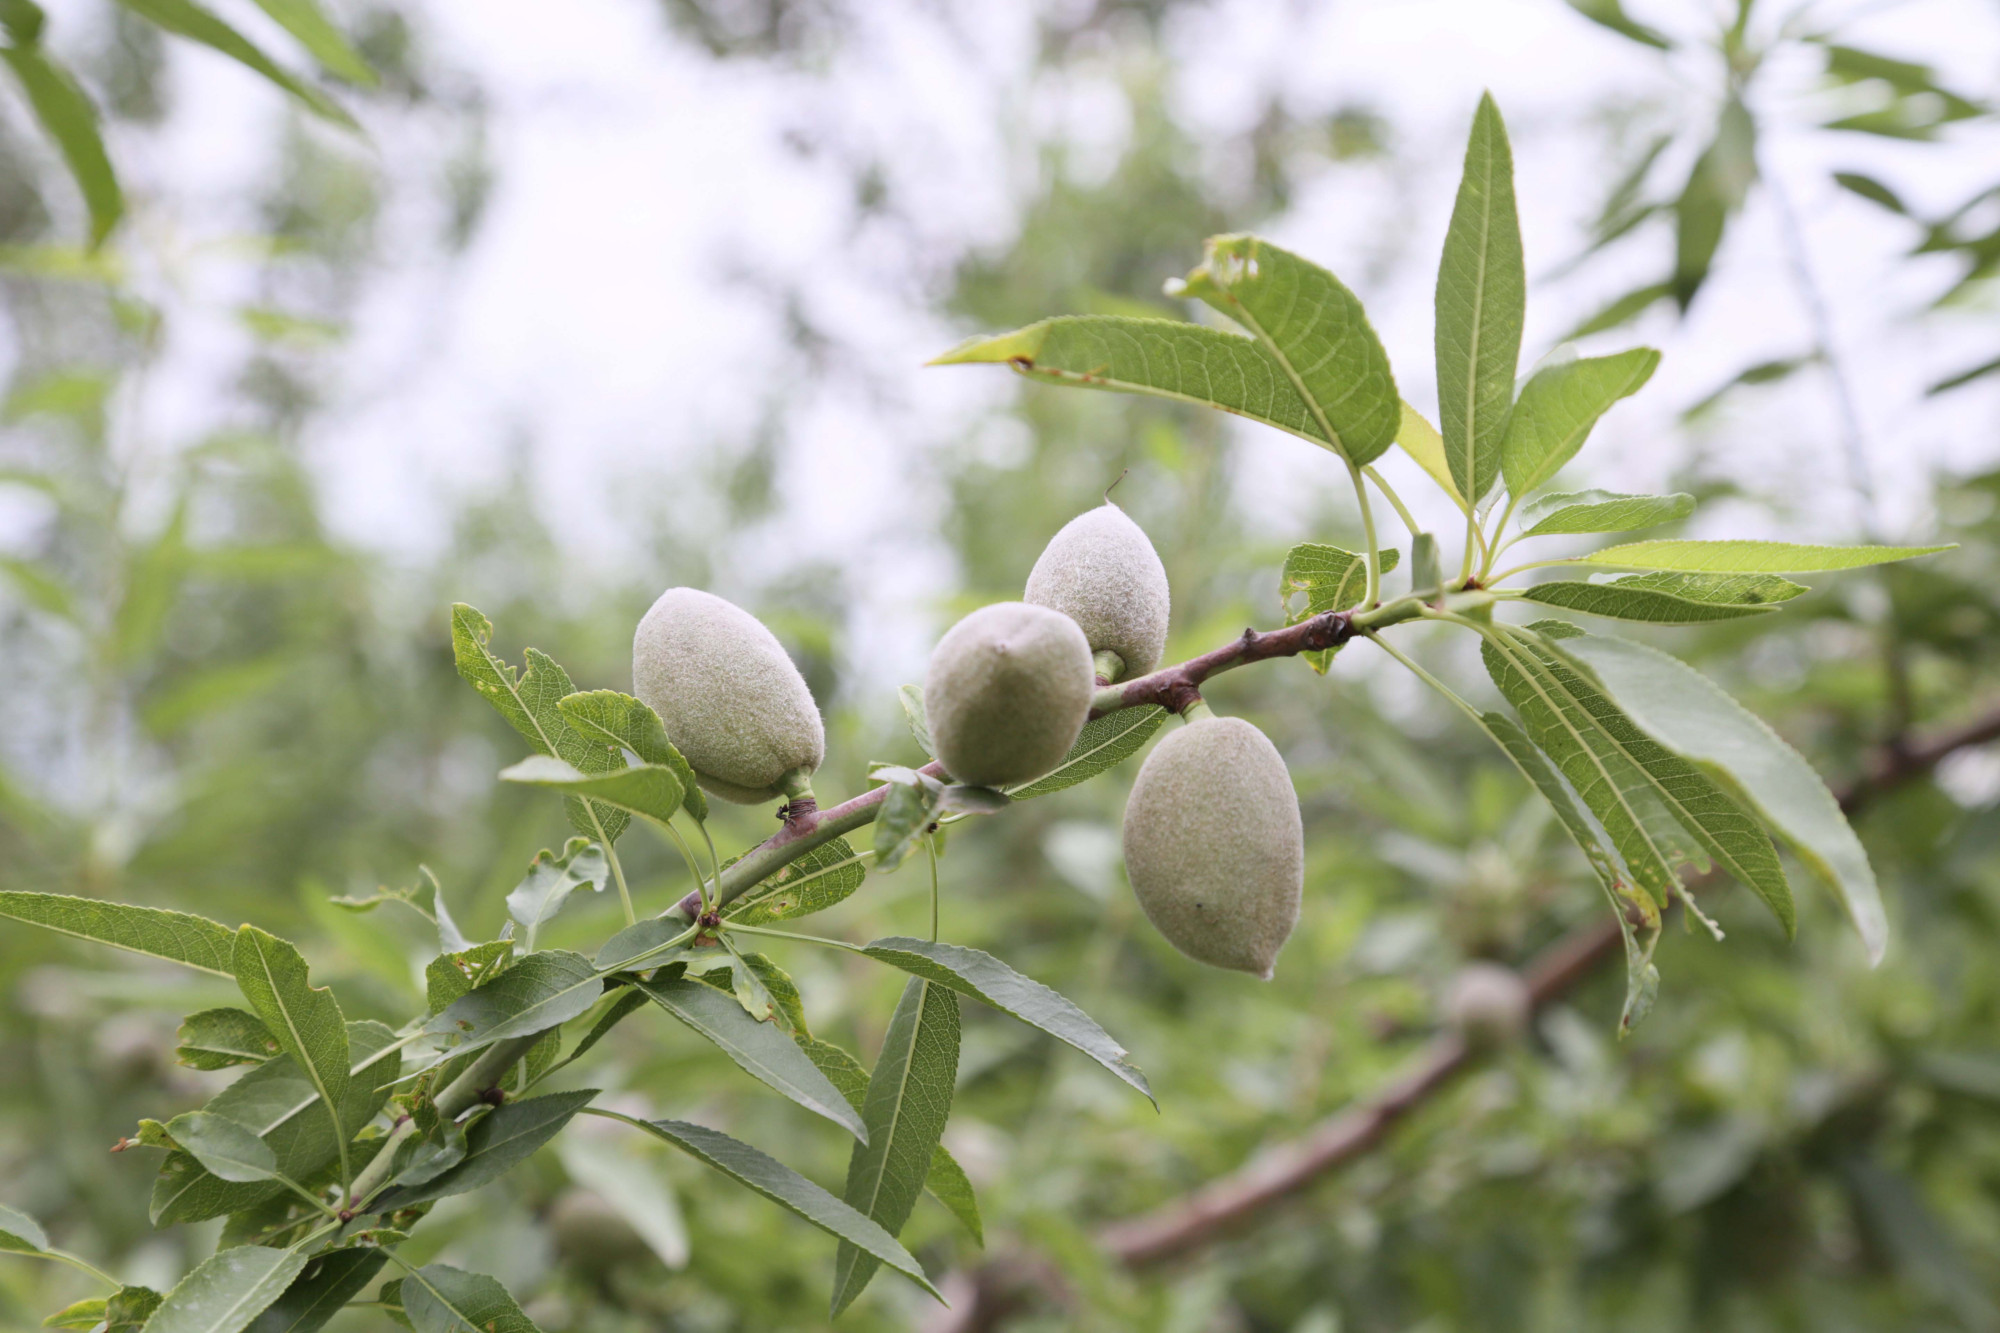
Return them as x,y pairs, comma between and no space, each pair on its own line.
1214,846
1007,691
730,698
1102,572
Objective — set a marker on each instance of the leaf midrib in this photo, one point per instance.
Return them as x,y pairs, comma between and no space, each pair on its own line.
505,672
306,1061
1470,482
896,1117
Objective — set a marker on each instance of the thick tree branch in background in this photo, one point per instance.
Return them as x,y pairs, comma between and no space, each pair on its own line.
983,1300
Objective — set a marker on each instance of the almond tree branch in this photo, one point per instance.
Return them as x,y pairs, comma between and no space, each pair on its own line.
986,1297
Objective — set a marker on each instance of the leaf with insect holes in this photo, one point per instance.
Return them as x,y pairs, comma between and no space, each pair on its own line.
551,879
1331,580
761,1050
1746,557
1558,407
1601,511
219,1038
227,1290
785,1187
1482,291
1671,599
990,981
193,941
651,790
1163,358
1315,329
911,697
823,877
449,977
909,1098
1649,799
907,812
1103,744
530,700
621,720
1686,712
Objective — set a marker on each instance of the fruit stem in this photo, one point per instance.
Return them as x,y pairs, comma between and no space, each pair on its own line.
1110,666
1196,710
797,783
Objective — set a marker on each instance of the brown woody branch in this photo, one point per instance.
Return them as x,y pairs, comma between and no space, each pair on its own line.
990,1294
1174,688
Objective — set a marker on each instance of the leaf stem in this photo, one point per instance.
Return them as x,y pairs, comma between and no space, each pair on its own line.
687,855
1372,595
794,935
1428,678
617,874
1496,545
1395,500
65,1257
930,846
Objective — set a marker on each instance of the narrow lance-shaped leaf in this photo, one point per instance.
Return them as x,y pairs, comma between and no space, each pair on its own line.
1482,290
307,22
651,790
1559,406
759,1049
494,1145
1103,744
1716,188
21,1234
621,720
229,1149
530,700
228,1290
990,981
1671,599
1744,557
440,1299
785,1187
551,879
1601,511
911,697
1162,358
1687,713
909,1099
194,941
304,1019
823,877
541,991
184,18
219,1038
319,1293
66,112
1420,440
1315,329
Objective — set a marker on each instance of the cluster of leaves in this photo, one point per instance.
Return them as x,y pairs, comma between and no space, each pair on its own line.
1648,766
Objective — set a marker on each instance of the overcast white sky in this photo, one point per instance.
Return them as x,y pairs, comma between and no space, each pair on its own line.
600,313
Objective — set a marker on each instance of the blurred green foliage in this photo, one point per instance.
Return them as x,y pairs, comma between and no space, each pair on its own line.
213,704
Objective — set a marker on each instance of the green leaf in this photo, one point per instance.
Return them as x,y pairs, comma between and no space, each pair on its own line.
1103,744
219,1038
440,1299
550,881
1482,292
621,720
70,118
946,1180
990,981
304,20
642,938
907,811
229,1149
1690,715
651,790
197,942
1611,14
185,18
450,976
278,1102
1331,579
531,704
1421,441
909,1098
542,991
1644,795
424,1158
785,1187
1163,358
129,1308
87,1313
823,877
1314,328
760,1049
1559,406
1621,311
1600,511
328,1283
1671,599
304,1020
622,1008
1741,557
228,1290
911,697
629,1182
21,1234
494,1145
949,1185
1715,189
787,1005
